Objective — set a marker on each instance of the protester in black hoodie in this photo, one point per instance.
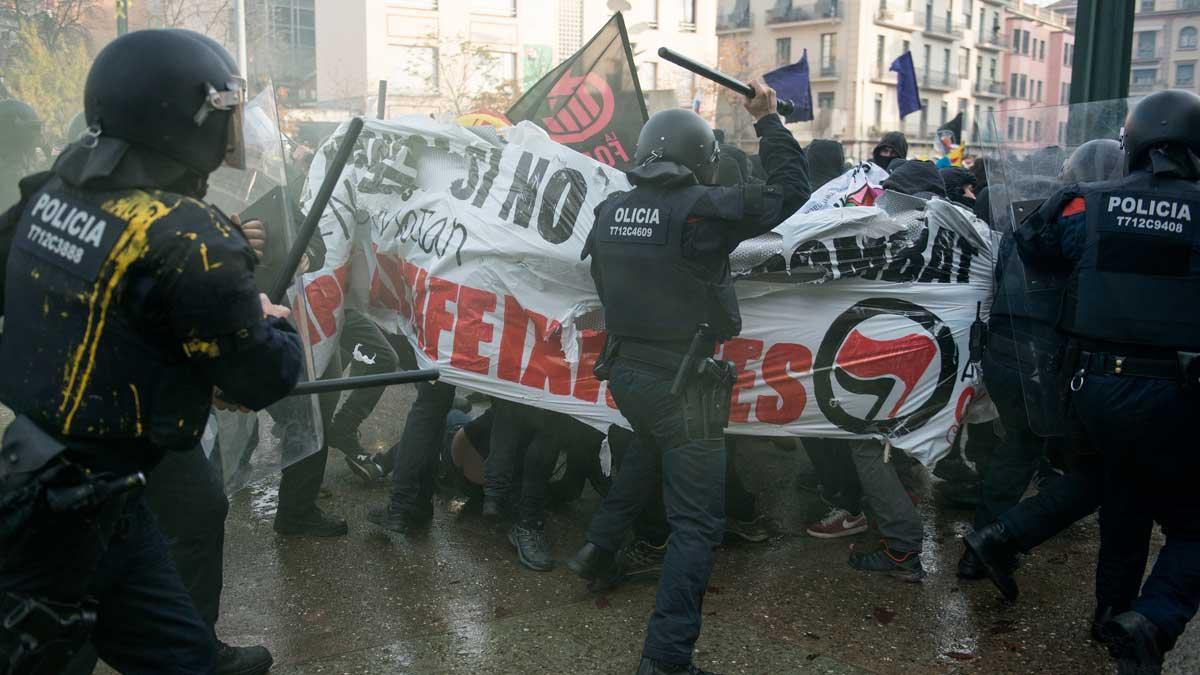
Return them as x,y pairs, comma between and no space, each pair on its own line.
919,178
825,159
960,185
893,144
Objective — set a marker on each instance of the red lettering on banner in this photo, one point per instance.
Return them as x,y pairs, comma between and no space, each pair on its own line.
437,319
414,280
547,363
741,351
471,330
587,387
324,295
512,340
781,359
392,270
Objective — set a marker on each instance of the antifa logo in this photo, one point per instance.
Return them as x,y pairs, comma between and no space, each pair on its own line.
585,106
887,371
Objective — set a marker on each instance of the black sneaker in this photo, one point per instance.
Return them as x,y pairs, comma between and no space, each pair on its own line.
242,660
649,666
399,523
754,531
364,466
904,566
313,523
532,548
640,559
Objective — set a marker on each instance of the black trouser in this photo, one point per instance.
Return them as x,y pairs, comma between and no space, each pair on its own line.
1143,428
146,623
415,457
300,483
740,503
185,494
833,461
524,440
686,465
361,334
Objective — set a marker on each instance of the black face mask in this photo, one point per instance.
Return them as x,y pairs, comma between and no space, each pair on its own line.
880,160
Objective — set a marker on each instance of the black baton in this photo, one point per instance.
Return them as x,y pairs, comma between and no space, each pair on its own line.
785,106
332,173
365,381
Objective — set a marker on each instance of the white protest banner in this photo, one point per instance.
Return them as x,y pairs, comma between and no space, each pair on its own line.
472,251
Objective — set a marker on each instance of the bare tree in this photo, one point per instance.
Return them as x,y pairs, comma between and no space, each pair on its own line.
57,21
465,78
204,16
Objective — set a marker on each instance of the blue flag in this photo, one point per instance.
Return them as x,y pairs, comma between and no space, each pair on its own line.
908,97
791,82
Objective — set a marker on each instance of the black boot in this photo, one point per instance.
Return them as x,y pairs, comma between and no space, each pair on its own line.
242,660
997,552
970,568
1136,643
593,563
312,523
394,521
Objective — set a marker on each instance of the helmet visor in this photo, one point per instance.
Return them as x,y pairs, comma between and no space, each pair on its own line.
232,99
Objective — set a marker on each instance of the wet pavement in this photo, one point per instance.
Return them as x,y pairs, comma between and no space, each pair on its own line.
456,601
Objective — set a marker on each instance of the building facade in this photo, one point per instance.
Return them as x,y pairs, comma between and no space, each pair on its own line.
963,52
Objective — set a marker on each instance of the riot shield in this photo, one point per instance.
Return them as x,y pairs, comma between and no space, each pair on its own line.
1042,152
248,447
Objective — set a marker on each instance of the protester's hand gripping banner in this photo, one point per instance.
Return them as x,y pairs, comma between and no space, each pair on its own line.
472,251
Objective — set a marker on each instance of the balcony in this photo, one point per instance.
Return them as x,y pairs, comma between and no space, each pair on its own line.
938,79
939,27
788,12
1144,55
737,19
894,18
990,88
826,70
995,40
1143,86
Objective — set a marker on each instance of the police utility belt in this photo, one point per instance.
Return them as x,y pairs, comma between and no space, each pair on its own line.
1183,367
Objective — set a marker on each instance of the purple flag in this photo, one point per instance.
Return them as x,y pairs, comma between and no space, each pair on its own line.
908,97
791,82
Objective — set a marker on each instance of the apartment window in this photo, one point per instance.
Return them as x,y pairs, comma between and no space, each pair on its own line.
1185,74
928,59
1145,76
783,51
946,63
1016,41
1039,93
1065,97
880,46
1012,126
1145,44
964,60
648,75
1020,128
654,13
501,68
828,44
1025,42
1062,133
1042,51
1012,85
979,122
498,7
1187,38
945,113
967,10
924,116
1022,88
1068,55
992,67
907,47
688,15
878,111
825,100
1147,5
415,72
979,71
1037,131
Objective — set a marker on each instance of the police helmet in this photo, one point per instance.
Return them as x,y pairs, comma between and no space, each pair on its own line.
20,130
1164,118
1096,160
175,92
681,136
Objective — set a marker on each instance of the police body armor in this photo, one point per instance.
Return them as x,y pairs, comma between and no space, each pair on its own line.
95,357
1138,281
649,289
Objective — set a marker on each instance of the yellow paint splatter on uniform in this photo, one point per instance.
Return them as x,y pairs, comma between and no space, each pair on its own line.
35,274
140,210
137,408
199,347
190,236
204,255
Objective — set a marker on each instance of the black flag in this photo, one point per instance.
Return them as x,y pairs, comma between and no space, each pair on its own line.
592,102
954,126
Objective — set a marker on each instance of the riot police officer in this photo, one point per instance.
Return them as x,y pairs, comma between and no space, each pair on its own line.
1132,249
128,303
660,260
20,136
